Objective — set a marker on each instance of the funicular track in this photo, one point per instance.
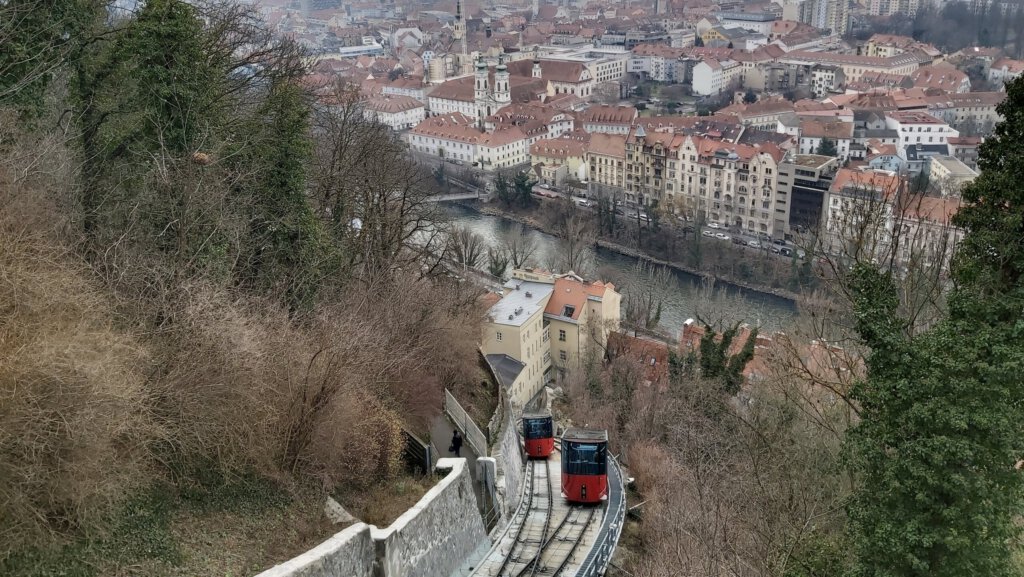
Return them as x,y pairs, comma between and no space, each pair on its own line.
548,537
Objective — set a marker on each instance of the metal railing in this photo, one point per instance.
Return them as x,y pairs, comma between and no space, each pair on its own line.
474,436
601,553
417,454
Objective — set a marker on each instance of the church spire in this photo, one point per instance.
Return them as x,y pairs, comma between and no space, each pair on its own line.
460,29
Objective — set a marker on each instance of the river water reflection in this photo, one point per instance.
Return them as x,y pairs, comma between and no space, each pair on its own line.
689,295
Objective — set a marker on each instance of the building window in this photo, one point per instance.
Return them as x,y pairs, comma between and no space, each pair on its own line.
562,356
498,335
561,335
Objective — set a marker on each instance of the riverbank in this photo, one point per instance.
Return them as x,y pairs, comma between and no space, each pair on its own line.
492,209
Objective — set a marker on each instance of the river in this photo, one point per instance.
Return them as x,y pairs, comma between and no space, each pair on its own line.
688,297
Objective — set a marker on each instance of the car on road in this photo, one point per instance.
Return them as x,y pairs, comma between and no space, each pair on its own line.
544,185
754,244
714,225
738,240
721,236
707,233
775,249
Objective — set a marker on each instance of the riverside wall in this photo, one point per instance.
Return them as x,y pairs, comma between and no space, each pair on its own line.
431,539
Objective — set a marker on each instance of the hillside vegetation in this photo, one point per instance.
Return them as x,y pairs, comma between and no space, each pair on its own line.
214,288
880,436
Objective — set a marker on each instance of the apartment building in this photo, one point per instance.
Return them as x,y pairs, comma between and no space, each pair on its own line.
712,76
397,112
915,127
607,118
560,158
868,209
656,62
1005,70
804,180
545,321
606,157
858,213
814,130
763,114
854,66
699,175
456,136
516,338
947,175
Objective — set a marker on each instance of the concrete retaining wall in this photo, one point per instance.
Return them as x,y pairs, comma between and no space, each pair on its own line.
348,553
431,539
438,533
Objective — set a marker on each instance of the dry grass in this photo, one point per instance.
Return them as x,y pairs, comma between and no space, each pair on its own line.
382,504
73,407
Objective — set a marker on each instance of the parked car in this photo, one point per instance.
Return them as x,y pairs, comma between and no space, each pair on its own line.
721,236
545,186
754,244
774,249
786,251
714,225
708,233
737,240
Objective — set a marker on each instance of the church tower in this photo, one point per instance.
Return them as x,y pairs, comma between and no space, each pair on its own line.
502,90
460,33
481,92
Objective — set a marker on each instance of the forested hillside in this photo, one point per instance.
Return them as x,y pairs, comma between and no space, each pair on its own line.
207,277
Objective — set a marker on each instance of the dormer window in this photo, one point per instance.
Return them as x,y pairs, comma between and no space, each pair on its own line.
568,311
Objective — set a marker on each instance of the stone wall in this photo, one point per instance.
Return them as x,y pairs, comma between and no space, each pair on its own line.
431,539
349,553
510,465
435,536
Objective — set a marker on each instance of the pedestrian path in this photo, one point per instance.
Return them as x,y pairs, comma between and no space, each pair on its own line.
440,436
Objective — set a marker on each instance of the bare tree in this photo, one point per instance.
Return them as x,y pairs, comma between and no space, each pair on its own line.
520,247
374,195
879,221
576,235
497,261
645,294
466,247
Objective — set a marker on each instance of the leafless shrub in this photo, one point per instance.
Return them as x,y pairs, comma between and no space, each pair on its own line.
74,418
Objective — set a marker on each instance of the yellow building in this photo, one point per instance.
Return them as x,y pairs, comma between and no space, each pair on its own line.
543,321
563,157
606,156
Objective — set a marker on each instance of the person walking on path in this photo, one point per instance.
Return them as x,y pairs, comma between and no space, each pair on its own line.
456,443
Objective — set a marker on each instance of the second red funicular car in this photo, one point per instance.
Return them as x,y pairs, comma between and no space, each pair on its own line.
584,465
538,435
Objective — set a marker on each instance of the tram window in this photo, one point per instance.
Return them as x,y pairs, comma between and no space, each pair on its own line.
537,429
587,459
